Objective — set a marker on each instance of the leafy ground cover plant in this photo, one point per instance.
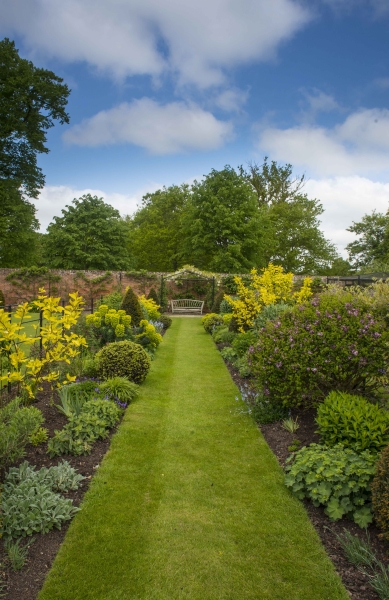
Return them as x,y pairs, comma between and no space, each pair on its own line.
40,436
380,493
338,478
17,424
82,430
324,345
124,359
31,502
352,421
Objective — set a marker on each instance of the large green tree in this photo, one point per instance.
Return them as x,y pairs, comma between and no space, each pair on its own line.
18,226
289,218
90,235
156,236
31,99
372,244
222,225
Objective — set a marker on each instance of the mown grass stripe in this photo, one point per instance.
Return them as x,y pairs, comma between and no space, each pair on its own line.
189,502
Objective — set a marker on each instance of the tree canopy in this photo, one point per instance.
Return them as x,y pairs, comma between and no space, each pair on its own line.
90,235
31,99
372,245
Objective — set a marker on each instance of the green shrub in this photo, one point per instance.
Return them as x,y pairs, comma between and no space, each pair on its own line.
2,299
210,321
40,436
132,307
120,389
242,364
243,341
152,295
17,424
337,478
225,307
380,493
353,422
89,367
264,411
270,313
326,344
123,359
91,424
234,325
165,320
30,503
113,300
221,335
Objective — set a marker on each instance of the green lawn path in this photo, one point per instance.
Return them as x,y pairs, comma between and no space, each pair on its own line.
189,502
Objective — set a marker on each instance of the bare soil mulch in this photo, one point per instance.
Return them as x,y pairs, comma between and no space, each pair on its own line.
26,583
278,440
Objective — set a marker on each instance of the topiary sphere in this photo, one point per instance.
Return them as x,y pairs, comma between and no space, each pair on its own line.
123,359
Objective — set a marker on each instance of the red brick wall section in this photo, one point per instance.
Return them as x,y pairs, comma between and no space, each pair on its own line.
72,281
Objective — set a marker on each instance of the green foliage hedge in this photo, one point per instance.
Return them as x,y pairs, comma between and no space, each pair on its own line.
352,421
210,321
337,478
124,359
327,344
132,307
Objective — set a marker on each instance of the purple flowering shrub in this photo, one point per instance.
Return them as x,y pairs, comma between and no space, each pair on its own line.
329,343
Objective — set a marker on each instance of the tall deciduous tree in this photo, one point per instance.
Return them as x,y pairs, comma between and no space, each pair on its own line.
222,225
31,99
155,231
372,244
18,226
90,235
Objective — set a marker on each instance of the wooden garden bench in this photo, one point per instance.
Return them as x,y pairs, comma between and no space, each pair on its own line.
187,305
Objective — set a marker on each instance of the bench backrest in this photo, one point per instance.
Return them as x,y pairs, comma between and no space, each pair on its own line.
187,303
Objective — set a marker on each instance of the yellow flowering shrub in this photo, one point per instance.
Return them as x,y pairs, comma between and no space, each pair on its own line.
151,306
111,323
150,333
269,288
59,344
305,292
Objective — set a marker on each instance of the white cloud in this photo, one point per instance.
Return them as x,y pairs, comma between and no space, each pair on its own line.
172,128
359,145
231,100
53,199
321,102
200,37
346,199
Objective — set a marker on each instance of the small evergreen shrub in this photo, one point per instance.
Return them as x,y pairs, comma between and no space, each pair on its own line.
166,321
89,367
17,424
2,299
152,295
352,421
221,335
337,478
225,307
380,493
210,321
124,359
132,307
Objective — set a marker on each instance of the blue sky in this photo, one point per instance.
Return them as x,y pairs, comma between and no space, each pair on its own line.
162,92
